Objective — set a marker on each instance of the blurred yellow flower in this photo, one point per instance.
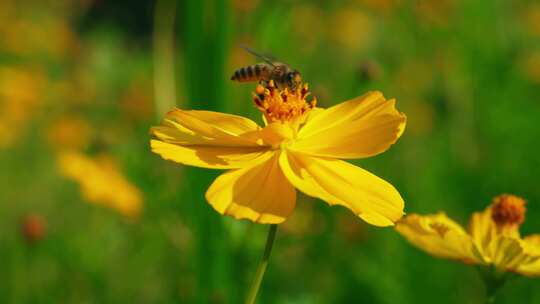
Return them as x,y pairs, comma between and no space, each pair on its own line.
384,6
298,147
310,16
22,90
51,35
101,182
417,84
352,29
493,237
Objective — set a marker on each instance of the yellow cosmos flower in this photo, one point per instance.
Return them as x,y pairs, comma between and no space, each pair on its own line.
298,147
493,237
21,88
101,182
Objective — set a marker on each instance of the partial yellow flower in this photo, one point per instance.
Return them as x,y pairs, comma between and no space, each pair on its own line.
298,147
492,239
101,182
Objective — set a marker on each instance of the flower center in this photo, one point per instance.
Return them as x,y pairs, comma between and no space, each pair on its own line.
507,210
283,104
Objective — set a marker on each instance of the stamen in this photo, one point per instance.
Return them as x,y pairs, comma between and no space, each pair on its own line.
508,209
283,104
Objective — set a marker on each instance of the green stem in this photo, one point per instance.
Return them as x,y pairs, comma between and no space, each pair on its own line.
164,79
252,295
493,280
491,294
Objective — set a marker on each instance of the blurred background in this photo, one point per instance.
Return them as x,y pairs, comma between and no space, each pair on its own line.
89,215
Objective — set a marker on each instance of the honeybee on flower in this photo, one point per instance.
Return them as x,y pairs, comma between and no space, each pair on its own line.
298,148
269,70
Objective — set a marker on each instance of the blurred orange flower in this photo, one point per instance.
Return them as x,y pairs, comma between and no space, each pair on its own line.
493,237
298,148
101,182
530,65
136,101
532,19
434,13
245,6
33,228
69,133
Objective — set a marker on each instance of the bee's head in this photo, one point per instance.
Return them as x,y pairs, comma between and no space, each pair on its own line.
294,79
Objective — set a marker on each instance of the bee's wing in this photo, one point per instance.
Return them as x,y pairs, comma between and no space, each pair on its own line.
266,58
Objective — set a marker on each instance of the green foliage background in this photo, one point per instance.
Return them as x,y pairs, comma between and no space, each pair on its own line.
466,73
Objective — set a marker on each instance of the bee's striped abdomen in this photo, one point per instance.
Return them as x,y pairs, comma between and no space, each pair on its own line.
251,73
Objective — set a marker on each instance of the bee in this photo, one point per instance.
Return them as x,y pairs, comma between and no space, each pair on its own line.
281,73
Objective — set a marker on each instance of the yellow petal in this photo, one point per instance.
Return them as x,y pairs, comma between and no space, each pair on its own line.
338,182
483,232
532,247
508,253
438,235
213,157
208,139
362,127
486,235
259,193
205,127
275,133
500,246
228,123
532,244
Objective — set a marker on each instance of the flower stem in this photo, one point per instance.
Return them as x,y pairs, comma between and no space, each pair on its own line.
252,295
490,294
163,51
493,280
